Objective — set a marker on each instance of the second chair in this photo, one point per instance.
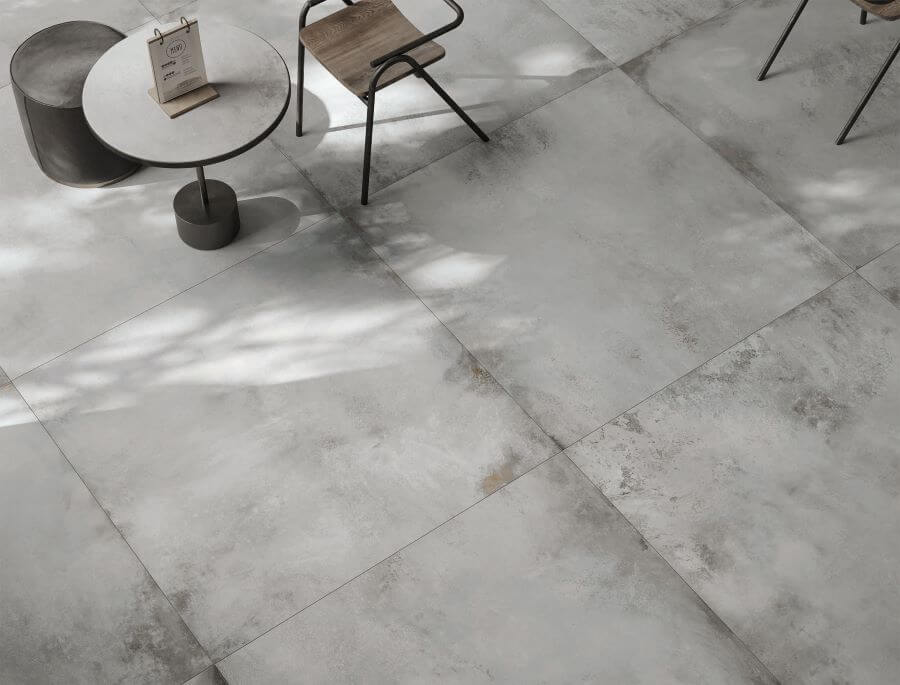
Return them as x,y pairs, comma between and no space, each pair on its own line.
884,9
369,45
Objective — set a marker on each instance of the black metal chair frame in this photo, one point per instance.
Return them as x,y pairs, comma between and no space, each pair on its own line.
872,87
382,64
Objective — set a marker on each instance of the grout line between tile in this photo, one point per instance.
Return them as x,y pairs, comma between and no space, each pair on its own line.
151,20
743,175
652,48
872,286
373,193
212,664
172,297
686,30
699,137
330,207
162,14
449,331
389,556
147,10
566,22
717,354
868,282
863,266
696,594
115,527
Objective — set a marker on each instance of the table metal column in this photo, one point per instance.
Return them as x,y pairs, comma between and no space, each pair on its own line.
206,212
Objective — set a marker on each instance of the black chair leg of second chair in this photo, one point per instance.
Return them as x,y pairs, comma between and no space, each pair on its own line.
780,43
865,99
369,99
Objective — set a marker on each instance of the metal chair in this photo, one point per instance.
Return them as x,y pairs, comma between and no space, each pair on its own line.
885,9
369,45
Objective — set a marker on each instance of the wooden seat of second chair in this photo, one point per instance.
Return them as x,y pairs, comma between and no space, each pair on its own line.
889,11
346,42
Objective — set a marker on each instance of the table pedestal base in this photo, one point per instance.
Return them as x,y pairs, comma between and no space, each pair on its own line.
206,213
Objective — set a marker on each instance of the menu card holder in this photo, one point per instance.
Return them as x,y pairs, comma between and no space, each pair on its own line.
179,73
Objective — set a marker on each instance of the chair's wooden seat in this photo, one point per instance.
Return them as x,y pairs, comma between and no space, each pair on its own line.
889,11
347,41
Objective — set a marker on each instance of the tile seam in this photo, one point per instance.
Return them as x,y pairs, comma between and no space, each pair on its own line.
106,514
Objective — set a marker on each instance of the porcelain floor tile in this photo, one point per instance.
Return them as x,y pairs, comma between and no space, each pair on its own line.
624,30
77,606
770,480
210,676
884,273
780,132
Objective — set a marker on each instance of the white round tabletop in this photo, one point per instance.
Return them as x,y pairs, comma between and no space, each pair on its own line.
254,91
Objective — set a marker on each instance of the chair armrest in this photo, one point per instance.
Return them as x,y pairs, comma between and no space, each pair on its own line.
424,39
309,4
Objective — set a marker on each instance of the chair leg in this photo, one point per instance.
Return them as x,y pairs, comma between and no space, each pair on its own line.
862,17
782,39
301,60
865,99
370,112
456,108
367,154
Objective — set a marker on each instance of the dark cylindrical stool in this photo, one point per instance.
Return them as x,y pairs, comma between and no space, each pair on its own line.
48,72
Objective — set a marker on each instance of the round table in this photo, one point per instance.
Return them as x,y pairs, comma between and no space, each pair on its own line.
254,91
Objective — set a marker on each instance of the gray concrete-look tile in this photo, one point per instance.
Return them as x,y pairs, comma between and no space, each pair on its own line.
4,379
78,261
21,18
77,606
171,10
624,30
539,58
173,15
884,273
280,428
769,479
780,133
588,271
543,582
